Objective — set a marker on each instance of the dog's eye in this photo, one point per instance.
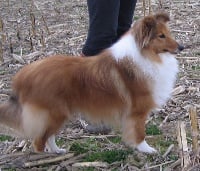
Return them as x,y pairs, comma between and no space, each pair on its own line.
162,36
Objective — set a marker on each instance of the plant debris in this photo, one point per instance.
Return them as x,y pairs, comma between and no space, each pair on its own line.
31,30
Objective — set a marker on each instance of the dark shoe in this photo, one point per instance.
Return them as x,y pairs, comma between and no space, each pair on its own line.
98,129
94,128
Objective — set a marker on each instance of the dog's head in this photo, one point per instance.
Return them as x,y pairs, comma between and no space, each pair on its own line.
151,33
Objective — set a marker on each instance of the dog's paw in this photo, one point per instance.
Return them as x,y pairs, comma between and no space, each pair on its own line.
145,148
60,151
56,150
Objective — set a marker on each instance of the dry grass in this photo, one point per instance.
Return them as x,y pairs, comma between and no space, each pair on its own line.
30,30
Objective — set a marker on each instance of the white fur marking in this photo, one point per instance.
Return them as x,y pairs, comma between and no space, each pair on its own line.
34,121
161,76
52,147
124,47
165,78
144,147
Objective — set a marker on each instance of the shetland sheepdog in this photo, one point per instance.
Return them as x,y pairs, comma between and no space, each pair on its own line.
121,85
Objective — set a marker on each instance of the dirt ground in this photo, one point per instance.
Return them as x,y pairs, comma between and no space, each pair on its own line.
30,30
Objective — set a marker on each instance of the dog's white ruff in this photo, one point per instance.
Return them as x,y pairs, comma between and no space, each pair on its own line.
161,76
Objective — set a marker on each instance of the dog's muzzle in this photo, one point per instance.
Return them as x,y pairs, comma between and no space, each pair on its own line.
180,47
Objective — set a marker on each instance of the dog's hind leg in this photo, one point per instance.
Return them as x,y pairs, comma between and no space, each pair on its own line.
35,125
39,143
55,123
133,128
46,142
52,147
40,125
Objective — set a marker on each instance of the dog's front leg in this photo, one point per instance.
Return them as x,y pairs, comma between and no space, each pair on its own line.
133,133
51,146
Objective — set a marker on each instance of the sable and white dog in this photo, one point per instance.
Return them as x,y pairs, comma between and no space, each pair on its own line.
120,85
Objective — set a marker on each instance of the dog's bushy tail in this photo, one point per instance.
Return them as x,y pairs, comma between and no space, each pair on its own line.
11,113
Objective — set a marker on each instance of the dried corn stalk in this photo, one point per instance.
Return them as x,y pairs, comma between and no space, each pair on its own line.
144,7
1,40
182,141
150,10
193,120
32,17
1,52
144,4
3,37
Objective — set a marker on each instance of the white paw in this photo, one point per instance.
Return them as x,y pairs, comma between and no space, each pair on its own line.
56,150
51,146
145,148
60,151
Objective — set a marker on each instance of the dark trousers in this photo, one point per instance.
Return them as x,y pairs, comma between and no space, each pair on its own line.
108,20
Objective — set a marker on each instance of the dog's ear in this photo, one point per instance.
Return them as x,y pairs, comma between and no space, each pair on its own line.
162,17
148,30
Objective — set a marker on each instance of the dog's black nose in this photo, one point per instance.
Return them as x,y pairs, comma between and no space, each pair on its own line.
180,47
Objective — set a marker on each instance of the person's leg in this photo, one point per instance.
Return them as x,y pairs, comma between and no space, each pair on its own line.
103,23
126,13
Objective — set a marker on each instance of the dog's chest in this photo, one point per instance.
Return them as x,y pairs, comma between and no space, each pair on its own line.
160,76
164,77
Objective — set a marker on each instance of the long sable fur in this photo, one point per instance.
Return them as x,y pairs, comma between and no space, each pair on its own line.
50,91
